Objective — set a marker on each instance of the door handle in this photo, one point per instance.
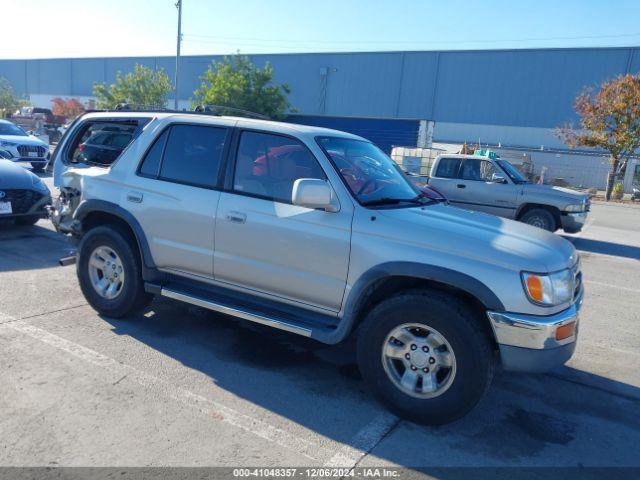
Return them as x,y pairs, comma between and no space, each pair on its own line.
236,217
461,185
135,197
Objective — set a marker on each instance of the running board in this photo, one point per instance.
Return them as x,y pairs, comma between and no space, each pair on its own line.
234,311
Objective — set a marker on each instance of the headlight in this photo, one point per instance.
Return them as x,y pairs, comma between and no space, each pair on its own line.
7,144
550,289
575,208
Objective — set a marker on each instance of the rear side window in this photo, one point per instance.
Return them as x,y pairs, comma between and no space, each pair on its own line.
102,142
193,154
151,164
448,168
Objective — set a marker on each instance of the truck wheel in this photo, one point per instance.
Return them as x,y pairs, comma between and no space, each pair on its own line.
109,272
425,356
541,218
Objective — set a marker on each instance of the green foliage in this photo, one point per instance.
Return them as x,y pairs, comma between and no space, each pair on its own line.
8,101
143,87
618,191
610,120
238,83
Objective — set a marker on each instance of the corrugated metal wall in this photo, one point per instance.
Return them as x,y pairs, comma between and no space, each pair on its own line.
526,88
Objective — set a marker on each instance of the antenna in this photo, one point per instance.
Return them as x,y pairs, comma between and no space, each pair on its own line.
175,95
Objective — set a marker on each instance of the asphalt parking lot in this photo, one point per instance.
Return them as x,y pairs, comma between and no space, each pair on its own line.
180,386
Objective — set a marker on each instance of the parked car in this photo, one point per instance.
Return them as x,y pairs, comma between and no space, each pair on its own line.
319,233
18,146
495,186
23,195
36,118
103,147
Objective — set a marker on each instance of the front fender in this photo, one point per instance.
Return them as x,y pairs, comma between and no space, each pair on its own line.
357,294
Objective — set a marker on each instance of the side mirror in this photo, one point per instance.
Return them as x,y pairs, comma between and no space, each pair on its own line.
312,193
498,178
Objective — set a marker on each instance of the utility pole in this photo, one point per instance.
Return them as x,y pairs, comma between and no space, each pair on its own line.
175,100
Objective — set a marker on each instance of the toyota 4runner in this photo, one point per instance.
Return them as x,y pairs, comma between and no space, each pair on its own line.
318,233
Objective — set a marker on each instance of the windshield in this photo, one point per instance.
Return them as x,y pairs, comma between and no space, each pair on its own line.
8,128
372,177
514,174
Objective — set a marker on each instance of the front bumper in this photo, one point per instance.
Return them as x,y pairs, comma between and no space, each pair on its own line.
573,222
27,208
528,342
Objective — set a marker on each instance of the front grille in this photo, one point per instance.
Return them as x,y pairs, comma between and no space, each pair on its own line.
24,150
21,200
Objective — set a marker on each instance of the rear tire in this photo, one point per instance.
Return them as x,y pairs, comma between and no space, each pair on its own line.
457,388
541,218
129,297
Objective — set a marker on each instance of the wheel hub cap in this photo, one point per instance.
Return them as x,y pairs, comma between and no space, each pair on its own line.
106,272
419,360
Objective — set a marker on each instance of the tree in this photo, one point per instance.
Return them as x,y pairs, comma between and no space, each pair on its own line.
8,101
143,87
238,83
610,120
70,108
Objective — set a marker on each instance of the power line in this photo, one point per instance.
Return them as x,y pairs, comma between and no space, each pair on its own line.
220,40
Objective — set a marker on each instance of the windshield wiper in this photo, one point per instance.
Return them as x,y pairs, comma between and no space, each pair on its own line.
419,200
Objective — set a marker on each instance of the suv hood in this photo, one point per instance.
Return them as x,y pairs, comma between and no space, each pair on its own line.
22,140
14,176
481,236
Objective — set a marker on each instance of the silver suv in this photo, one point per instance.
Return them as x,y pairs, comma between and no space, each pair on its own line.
495,186
318,233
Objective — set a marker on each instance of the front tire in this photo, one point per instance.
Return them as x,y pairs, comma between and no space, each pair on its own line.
541,218
426,356
110,273
37,167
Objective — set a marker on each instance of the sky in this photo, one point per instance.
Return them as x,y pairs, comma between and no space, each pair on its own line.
109,28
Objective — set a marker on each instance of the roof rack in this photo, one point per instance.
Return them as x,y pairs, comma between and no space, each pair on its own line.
216,110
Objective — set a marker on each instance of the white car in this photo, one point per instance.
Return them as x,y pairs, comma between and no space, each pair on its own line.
18,146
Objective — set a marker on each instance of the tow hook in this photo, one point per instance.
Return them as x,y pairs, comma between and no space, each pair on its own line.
70,260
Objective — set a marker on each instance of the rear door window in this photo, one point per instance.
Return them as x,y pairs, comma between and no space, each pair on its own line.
193,154
448,168
101,142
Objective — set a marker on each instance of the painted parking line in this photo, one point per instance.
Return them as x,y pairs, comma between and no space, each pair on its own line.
158,386
347,456
363,442
609,285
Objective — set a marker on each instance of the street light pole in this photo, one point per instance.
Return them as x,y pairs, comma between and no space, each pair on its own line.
175,99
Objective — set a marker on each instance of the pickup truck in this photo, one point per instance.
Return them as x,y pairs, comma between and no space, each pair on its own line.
319,233
495,186
40,120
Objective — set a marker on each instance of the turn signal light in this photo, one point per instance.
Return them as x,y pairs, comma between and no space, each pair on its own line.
565,331
534,285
